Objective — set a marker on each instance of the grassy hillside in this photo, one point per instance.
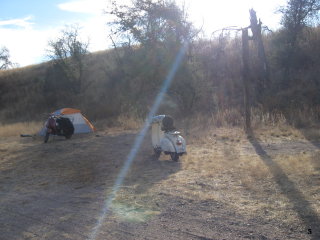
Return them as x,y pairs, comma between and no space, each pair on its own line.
208,83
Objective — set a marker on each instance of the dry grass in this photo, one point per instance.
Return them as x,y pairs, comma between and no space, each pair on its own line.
312,134
228,117
116,124
129,123
235,118
298,165
279,132
15,129
220,166
200,126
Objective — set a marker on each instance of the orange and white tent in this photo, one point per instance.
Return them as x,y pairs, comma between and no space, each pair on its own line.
81,124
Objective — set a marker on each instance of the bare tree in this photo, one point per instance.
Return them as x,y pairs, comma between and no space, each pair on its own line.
5,62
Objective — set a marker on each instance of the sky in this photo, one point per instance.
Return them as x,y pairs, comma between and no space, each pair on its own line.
26,26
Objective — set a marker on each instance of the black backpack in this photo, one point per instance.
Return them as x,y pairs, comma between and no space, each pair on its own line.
167,124
66,127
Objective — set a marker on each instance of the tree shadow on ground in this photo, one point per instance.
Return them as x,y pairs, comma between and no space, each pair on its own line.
301,206
57,190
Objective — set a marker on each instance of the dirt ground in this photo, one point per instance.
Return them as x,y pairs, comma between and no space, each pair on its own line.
229,186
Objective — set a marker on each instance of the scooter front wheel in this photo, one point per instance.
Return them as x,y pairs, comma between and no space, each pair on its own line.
157,153
46,137
68,136
174,156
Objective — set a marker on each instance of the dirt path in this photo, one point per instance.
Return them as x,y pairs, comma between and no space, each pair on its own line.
57,190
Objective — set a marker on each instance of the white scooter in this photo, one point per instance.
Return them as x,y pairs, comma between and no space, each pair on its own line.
166,139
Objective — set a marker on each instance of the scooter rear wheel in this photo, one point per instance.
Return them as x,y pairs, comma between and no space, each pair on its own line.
174,157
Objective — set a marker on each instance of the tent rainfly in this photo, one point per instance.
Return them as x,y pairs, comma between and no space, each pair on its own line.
80,123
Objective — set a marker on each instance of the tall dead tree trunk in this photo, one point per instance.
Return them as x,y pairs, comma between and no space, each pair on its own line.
246,77
257,38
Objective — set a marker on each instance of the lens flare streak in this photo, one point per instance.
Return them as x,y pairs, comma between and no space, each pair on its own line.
138,141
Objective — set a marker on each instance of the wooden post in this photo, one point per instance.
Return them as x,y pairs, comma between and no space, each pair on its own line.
245,77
